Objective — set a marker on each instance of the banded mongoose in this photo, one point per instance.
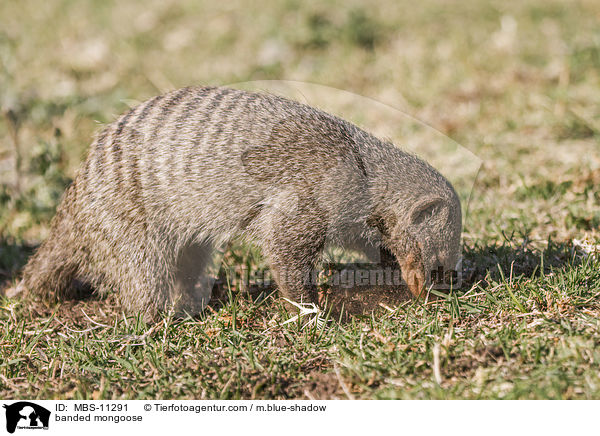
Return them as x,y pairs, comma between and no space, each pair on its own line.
186,171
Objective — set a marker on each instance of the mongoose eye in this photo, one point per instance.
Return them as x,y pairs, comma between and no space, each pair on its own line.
377,222
383,225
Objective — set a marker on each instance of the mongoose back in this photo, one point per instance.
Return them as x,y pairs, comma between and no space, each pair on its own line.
186,171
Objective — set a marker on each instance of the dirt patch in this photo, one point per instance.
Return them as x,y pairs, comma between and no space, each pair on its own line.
322,386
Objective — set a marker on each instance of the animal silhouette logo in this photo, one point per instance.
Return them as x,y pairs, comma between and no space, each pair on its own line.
26,415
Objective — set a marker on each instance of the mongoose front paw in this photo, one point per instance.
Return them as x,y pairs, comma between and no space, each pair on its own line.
16,290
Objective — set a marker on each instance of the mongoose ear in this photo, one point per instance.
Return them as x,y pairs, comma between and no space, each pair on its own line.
425,209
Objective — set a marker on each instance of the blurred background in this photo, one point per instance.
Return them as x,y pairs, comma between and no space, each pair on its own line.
517,83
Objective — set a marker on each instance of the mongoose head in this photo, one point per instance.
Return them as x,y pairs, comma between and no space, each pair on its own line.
423,232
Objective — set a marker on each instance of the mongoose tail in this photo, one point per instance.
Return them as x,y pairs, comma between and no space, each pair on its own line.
52,271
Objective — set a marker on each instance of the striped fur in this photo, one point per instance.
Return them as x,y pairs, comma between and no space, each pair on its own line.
186,171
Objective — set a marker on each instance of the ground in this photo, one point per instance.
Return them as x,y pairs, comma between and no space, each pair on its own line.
515,83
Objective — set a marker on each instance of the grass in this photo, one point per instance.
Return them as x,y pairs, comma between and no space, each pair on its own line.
527,335
516,83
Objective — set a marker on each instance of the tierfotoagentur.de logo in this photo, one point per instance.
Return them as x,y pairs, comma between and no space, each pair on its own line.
25,415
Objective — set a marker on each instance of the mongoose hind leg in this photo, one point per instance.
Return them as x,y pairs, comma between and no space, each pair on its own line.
145,288
158,284
192,288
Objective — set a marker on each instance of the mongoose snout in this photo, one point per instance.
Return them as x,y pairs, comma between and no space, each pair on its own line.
184,172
